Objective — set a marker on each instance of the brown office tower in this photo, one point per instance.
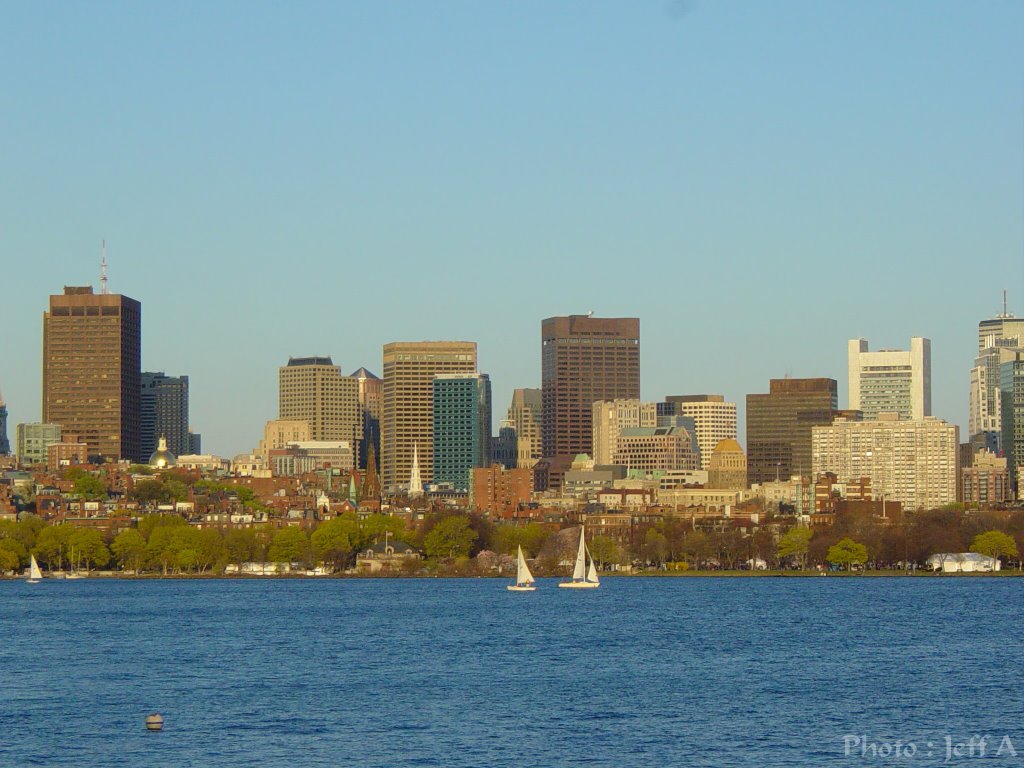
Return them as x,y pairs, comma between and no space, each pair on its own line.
779,426
408,414
92,347
584,359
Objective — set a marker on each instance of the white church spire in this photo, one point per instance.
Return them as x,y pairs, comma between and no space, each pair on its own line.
415,483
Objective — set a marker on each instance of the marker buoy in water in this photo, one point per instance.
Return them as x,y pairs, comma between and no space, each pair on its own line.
155,722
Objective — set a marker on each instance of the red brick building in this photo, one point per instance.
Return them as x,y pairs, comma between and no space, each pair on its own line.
498,492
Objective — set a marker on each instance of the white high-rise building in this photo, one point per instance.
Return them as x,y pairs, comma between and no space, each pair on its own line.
891,380
998,339
714,420
610,417
913,462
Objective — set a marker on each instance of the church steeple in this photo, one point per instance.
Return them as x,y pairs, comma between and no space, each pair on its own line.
370,490
415,483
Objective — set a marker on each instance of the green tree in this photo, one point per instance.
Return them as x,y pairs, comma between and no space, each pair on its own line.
176,489
85,546
90,487
994,544
9,561
204,546
730,545
163,546
52,544
13,548
606,551
25,530
507,538
335,540
130,549
151,491
290,545
375,526
240,545
261,544
847,552
450,537
149,523
655,547
796,542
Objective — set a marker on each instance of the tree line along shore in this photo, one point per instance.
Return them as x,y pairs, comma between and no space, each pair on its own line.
444,543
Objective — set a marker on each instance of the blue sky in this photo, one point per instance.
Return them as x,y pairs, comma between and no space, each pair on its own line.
758,182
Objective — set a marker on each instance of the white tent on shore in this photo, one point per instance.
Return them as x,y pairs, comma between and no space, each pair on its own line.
963,562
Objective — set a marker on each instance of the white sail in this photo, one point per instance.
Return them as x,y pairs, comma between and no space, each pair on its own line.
34,574
523,575
579,573
592,573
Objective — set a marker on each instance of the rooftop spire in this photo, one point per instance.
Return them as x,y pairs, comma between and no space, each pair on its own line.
103,270
415,483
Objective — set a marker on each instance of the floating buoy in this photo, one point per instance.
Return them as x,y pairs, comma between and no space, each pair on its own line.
155,722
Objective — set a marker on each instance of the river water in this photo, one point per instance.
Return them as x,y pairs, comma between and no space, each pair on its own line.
461,672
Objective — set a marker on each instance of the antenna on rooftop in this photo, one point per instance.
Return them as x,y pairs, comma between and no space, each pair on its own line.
1006,314
103,270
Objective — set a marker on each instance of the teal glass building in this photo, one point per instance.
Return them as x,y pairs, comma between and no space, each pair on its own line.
462,428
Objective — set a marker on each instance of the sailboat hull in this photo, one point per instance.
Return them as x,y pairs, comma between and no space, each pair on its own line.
578,585
517,588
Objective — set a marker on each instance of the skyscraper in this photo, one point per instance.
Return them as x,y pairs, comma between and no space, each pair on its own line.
371,405
408,416
525,413
714,420
164,413
890,380
1011,395
92,345
1003,330
312,389
779,426
5,445
999,339
462,427
584,359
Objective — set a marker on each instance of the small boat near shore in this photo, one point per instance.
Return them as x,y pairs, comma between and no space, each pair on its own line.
524,579
34,574
584,576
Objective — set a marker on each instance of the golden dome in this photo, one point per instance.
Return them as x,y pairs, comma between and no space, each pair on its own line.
162,458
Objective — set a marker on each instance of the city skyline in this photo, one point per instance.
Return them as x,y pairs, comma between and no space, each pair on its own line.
775,180
959,419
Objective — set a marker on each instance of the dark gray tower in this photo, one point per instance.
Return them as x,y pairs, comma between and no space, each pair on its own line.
165,413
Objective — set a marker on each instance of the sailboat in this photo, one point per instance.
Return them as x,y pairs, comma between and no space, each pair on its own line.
34,574
524,579
583,577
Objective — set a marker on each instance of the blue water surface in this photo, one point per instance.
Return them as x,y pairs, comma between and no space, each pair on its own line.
460,672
